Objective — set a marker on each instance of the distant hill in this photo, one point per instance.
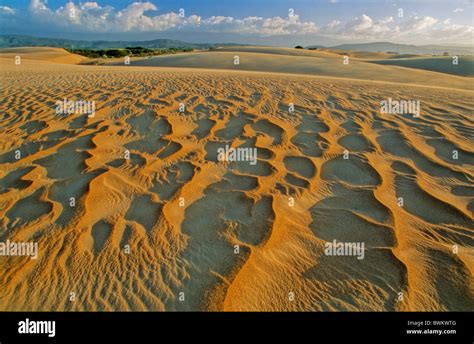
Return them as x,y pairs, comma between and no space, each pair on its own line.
10,41
406,49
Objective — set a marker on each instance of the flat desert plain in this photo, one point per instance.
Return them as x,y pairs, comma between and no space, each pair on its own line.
132,208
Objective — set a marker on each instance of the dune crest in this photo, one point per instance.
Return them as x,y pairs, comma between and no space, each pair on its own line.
45,54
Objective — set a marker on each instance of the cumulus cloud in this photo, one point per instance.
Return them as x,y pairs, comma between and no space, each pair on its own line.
458,10
419,24
137,17
363,27
254,25
91,17
424,29
6,10
333,24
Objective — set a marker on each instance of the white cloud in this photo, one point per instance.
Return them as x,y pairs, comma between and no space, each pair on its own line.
423,29
363,27
6,10
258,25
458,10
333,24
136,17
419,24
360,24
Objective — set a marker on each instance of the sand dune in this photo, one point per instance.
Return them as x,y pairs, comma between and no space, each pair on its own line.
279,51
319,64
370,55
443,64
321,53
182,211
362,54
55,55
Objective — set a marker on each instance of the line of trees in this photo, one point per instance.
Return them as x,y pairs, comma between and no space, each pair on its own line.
129,51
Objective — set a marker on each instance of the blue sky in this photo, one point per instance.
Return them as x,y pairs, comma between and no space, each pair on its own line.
246,21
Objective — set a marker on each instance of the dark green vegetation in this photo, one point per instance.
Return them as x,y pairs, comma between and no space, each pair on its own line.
128,51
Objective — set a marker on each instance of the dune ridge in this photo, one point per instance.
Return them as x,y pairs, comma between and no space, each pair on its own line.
317,64
53,55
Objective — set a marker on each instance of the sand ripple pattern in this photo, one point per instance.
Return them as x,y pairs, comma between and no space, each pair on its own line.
181,211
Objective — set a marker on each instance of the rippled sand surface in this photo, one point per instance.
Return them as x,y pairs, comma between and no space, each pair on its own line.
181,212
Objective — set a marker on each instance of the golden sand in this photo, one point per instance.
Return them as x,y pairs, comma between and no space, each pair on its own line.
54,55
180,211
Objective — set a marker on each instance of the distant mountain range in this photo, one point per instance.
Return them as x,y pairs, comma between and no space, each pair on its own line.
404,48
9,41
